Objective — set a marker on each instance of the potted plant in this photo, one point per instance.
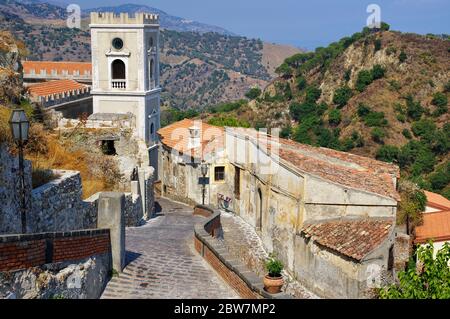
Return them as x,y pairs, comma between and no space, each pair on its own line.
273,281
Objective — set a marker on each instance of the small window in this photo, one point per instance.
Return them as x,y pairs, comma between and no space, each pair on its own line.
391,258
219,173
117,43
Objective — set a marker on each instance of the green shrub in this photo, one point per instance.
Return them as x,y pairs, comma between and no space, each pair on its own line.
406,133
439,99
363,80
394,85
447,87
357,139
401,118
387,153
312,94
414,109
286,132
363,110
402,57
431,281
300,110
378,134
440,178
334,117
373,119
253,93
300,82
378,72
341,96
228,121
347,75
377,44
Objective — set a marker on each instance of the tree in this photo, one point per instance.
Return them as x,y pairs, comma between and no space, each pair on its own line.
413,108
301,82
412,203
363,80
253,93
299,111
341,96
431,280
284,70
377,44
363,109
378,72
439,99
402,57
387,153
377,134
334,117
313,93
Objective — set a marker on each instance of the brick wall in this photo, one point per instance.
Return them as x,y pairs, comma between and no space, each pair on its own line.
25,251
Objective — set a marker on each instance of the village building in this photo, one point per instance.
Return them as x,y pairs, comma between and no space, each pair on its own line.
328,215
435,224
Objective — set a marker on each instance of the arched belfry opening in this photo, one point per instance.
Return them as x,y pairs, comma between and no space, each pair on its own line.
118,70
259,209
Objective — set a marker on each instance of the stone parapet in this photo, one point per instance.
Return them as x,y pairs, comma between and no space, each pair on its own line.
245,282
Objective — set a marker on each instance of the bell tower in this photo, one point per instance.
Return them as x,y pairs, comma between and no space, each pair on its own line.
125,68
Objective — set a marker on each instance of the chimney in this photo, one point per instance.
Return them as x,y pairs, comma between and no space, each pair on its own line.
194,137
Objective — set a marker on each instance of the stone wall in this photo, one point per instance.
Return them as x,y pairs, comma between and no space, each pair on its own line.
83,279
58,205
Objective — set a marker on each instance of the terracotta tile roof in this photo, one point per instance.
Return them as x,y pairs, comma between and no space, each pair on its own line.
437,201
177,135
340,167
55,87
435,226
352,238
59,67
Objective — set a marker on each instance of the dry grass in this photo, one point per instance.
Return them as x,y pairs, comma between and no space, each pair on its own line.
46,151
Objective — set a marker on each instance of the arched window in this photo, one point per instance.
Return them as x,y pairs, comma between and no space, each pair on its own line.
150,43
152,131
118,70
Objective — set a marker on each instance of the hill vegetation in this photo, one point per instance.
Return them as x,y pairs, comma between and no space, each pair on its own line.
381,93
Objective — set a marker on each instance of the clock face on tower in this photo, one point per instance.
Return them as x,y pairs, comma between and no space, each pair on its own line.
117,43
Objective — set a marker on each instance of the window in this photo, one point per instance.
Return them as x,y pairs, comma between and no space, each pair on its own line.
391,258
117,43
219,173
237,182
118,70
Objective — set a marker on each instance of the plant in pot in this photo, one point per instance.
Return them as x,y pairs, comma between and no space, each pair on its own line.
273,281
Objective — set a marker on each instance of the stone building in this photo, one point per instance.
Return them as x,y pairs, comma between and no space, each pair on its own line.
125,68
328,215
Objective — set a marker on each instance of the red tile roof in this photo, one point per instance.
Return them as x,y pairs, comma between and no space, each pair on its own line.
346,169
353,238
437,201
435,226
70,67
55,87
176,136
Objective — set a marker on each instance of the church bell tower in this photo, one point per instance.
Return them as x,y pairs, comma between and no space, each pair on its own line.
125,68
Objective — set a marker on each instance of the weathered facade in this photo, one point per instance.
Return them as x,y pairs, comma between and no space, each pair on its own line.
281,188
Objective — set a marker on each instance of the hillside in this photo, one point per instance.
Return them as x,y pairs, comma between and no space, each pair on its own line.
198,69
382,94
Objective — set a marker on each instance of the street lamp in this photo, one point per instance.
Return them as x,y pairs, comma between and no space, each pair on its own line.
204,170
19,128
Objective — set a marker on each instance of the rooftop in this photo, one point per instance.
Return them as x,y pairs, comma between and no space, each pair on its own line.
437,201
176,136
340,167
49,88
435,226
80,68
352,238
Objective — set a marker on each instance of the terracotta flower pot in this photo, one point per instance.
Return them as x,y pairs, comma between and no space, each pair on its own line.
273,284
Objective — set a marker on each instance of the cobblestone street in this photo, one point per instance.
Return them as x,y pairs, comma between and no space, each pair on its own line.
162,263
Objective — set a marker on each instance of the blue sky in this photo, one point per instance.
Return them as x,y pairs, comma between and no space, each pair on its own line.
301,23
